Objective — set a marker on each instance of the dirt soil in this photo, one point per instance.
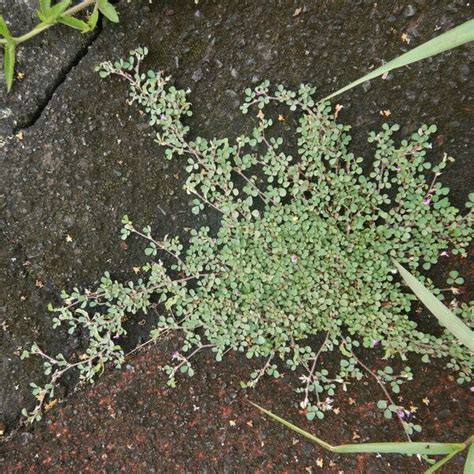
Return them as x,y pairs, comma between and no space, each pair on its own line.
131,422
74,158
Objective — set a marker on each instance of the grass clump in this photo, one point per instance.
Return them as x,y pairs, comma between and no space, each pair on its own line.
304,248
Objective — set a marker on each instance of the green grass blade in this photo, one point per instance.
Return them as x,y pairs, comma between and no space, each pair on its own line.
441,462
469,466
427,448
45,5
9,64
75,23
4,31
439,310
92,20
108,10
57,10
450,39
295,428
399,448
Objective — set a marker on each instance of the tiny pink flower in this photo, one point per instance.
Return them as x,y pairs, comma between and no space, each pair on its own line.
426,201
444,253
404,414
294,259
175,355
375,343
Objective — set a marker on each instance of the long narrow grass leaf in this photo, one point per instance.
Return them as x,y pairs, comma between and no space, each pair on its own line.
4,31
450,39
108,10
446,317
57,10
440,463
74,23
399,448
45,5
469,465
295,428
92,20
9,64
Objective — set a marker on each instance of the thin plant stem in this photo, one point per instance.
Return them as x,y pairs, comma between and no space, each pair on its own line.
385,391
311,371
262,371
44,26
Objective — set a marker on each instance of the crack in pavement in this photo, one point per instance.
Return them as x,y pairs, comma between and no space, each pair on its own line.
51,90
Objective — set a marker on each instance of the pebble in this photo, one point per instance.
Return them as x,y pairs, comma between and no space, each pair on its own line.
69,220
308,449
444,414
411,96
232,395
464,72
409,11
267,55
233,99
5,113
234,73
366,86
197,75
25,438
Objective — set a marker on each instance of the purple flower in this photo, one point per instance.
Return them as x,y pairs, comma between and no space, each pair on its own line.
472,389
427,201
375,343
175,355
444,253
294,259
404,414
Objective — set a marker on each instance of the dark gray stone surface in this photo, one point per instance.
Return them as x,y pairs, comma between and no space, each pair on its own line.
42,63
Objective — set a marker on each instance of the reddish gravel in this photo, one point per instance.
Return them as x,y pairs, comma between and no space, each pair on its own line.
129,421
